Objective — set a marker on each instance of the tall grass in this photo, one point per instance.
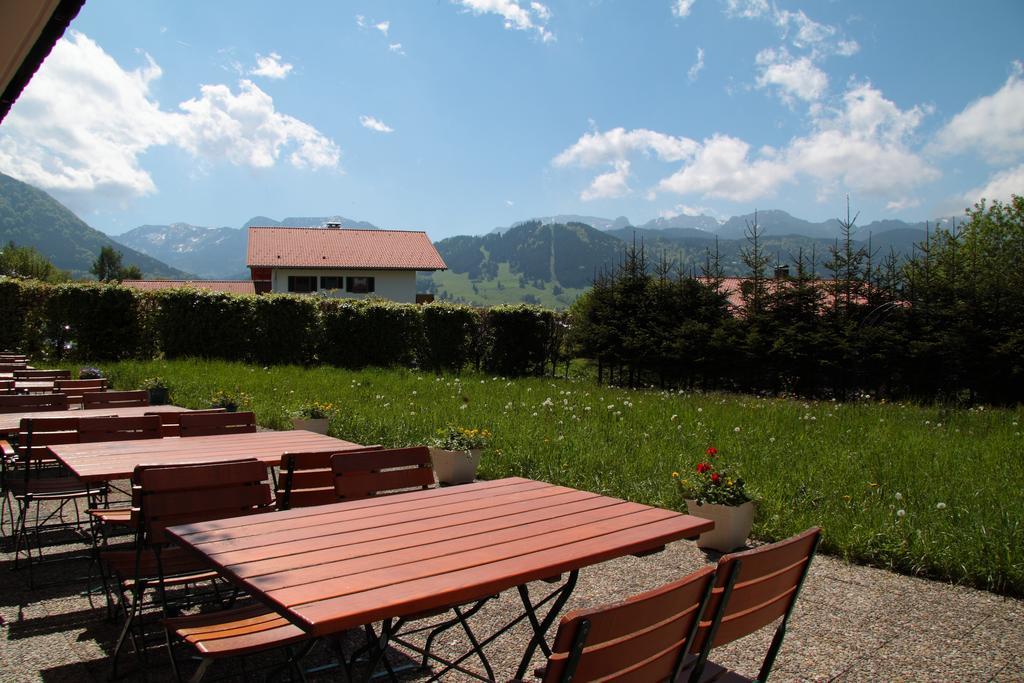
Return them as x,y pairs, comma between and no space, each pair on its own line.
923,490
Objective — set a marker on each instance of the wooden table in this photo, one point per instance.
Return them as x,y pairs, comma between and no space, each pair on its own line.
109,460
10,422
339,566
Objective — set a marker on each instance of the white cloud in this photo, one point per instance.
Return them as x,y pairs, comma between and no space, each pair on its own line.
609,185
903,203
271,66
1000,186
793,77
516,16
360,21
83,123
396,48
747,9
992,125
698,66
686,210
375,124
723,169
862,146
596,148
509,202
681,8
383,26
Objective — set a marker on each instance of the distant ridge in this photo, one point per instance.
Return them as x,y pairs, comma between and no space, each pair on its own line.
32,218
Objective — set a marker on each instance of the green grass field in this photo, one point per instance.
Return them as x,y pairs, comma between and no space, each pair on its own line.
956,475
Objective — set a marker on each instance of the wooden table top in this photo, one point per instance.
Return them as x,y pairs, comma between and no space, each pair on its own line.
338,566
10,422
109,460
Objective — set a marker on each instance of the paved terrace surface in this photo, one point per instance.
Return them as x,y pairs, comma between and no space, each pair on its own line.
851,624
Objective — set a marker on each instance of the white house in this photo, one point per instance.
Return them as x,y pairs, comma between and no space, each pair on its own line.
339,262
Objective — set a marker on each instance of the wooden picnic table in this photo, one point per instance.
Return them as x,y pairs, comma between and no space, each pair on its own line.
338,566
10,422
110,460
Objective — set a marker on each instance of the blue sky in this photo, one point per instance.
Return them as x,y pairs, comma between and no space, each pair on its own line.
455,116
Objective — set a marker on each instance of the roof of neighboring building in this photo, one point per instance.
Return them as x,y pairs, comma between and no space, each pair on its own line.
28,31
342,248
732,287
226,286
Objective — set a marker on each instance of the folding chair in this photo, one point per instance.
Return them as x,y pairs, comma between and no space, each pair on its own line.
115,399
170,422
211,424
164,495
115,428
307,478
363,474
752,589
644,638
76,388
34,481
179,494
32,403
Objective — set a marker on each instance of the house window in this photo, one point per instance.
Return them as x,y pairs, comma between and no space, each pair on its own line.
360,285
302,284
331,282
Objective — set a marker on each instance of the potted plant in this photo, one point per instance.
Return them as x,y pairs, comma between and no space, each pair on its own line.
159,392
90,373
716,493
230,401
313,417
455,453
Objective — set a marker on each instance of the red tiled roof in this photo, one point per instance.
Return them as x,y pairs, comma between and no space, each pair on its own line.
342,248
226,286
731,286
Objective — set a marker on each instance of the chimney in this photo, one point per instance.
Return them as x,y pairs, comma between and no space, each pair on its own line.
782,272
334,225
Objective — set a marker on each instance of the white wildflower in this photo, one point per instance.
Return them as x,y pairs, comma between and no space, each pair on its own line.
899,496
736,429
901,513
940,506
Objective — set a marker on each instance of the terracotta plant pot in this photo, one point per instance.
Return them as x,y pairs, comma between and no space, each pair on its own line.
313,424
732,524
455,467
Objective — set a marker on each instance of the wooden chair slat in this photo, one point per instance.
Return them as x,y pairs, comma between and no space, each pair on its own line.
112,399
209,424
41,374
376,460
77,388
307,478
188,476
740,624
365,484
34,403
114,428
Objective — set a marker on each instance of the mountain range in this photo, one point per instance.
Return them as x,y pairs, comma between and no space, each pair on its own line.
547,260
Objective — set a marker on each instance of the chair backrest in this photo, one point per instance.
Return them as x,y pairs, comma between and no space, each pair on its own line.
76,388
11,366
41,375
170,422
371,473
307,478
752,589
7,386
37,434
115,399
113,428
32,403
644,638
165,495
12,357
211,424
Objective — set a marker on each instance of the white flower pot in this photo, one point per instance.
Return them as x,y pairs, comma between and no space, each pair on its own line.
732,524
455,467
313,424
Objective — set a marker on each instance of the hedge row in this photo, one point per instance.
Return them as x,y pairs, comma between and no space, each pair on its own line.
85,321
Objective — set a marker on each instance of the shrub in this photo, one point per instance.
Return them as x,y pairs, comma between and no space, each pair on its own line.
373,332
97,322
23,311
517,339
205,324
287,329
448,331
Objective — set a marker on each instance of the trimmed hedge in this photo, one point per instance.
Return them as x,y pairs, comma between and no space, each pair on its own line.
90,321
